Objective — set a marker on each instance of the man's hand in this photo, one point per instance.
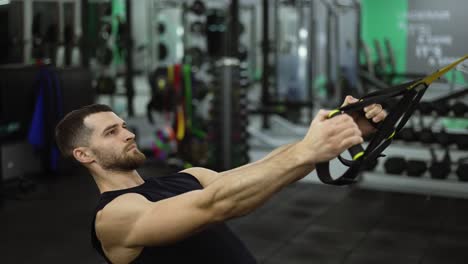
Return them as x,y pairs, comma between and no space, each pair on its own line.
328,138
374,112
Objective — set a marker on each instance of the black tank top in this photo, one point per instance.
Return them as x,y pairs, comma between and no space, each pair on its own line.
215,244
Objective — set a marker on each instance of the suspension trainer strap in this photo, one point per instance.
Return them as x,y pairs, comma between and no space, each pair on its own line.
411,93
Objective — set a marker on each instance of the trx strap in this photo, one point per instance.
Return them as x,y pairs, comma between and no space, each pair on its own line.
398,115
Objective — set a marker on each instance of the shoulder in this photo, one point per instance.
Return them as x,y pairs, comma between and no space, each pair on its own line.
114,220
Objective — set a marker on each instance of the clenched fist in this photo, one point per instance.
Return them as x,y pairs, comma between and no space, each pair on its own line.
328,138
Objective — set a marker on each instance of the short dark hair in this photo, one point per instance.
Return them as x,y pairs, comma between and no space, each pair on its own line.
71,132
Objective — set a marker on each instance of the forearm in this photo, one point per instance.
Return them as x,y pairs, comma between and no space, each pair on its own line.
241,190
279,150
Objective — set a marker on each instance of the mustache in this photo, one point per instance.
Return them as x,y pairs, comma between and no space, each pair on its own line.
130,145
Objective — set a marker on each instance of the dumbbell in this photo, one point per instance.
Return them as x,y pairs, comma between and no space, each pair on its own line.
459,109
425,108
440,169
462,170
443,138
441,108
415,168
395,165
426,136
408,134
462,141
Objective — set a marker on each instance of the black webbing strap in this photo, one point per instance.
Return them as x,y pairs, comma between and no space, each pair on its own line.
398,115
381,139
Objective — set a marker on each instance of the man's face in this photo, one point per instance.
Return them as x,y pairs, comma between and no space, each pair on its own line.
113,146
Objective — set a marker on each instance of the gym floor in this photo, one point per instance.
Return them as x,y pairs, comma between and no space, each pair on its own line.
304,223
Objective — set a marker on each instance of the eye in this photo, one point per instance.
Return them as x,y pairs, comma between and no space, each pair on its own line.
112,132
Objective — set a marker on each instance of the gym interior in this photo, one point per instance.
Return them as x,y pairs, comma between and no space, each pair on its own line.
222,83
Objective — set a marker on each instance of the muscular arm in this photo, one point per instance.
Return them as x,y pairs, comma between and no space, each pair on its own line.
206,176
131,221
239,191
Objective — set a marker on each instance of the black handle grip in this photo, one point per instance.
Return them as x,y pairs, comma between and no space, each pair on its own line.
356,151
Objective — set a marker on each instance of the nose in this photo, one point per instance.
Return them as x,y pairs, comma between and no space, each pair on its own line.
129,135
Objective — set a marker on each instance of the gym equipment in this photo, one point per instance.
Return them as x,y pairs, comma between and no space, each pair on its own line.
440,169
391,65
105,85
461,141
194,56
162,94
198,7
426,136
462,170
228,129
162,51
441,108
443,138
380,65
408,134
399,114
241,28
161,28
215,33
104,55
164,144
243,53
198,27
415,168
395,165
425,108
459,109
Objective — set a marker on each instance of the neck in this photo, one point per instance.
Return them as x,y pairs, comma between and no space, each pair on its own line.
116,180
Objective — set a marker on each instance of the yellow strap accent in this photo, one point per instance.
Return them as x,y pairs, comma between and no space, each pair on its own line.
436,75
392,135
357,156
170,74
330,115
180,123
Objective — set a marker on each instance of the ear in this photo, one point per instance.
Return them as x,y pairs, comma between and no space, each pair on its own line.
83,155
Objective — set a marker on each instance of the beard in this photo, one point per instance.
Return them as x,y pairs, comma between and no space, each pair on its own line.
126,161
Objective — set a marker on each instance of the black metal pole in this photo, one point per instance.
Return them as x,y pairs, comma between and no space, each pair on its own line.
2,195
311,57
358,33
266,66
129,59
328,59
185,9
273,90
233,43
84,42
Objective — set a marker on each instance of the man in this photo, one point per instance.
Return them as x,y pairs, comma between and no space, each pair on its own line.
180,218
